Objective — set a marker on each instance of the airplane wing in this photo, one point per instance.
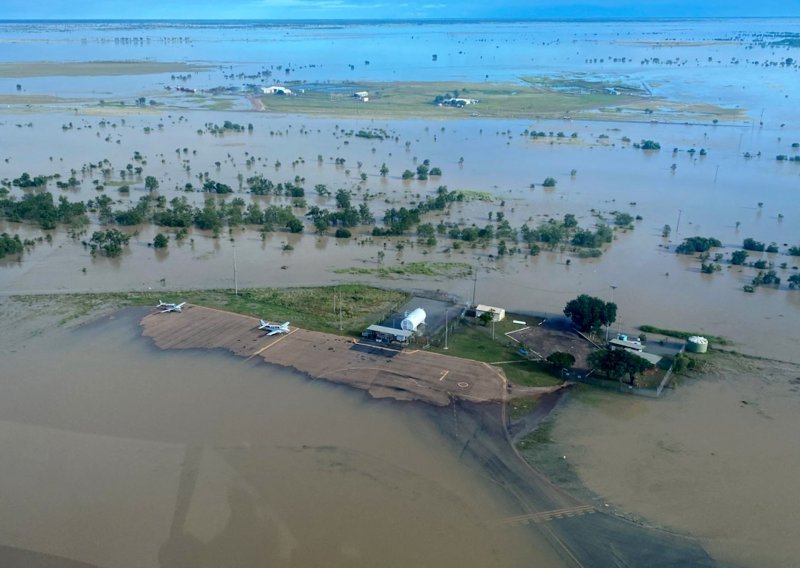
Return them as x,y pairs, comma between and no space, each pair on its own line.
274,332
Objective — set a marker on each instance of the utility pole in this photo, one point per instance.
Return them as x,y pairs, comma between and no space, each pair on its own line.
446,312
612,301
235,282
678,224
474,286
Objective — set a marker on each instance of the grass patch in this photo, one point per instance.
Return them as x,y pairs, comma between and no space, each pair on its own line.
309,308
580,83
683,334
472,195
519,407
447,269
471,340
542,435
217,104
539,450
541,97
415,99
530,374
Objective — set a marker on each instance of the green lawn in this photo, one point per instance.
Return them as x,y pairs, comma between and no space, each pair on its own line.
309,308
474,341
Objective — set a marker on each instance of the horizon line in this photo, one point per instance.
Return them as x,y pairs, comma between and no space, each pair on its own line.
407,20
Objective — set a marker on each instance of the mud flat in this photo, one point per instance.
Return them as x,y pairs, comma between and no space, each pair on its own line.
717,458
384,373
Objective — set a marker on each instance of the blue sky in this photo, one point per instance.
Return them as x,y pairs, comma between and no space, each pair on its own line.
387,9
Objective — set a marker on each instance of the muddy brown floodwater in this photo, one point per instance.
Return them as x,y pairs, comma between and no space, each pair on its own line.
118,454
718,458
716,195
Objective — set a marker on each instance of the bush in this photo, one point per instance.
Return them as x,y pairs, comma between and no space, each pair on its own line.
160,241
692,245
754,245
738,257
343,233
648,145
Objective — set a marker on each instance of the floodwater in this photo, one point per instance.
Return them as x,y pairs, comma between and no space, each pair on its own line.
733,62
716,458
118,454
122,455
716,195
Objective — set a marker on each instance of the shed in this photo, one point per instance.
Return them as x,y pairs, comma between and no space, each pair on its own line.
620,343
413,320
498,314
385,334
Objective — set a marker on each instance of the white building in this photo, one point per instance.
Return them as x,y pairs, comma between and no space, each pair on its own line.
498,314
276,90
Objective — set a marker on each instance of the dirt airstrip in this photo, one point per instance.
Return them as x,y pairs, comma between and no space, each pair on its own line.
384,373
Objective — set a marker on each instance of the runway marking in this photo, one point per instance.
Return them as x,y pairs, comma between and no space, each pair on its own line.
270,344
544,516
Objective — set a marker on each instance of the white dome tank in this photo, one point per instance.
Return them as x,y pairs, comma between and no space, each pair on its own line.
413,320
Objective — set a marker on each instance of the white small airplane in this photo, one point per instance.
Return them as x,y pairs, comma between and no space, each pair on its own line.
166,307
274,328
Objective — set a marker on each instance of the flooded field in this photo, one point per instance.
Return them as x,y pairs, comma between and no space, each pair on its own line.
122,455
721,194
118,454
713,458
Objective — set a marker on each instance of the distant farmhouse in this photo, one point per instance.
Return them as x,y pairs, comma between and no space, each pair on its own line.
458,102
276,90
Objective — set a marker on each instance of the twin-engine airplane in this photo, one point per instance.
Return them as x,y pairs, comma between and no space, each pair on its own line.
274,328
165,307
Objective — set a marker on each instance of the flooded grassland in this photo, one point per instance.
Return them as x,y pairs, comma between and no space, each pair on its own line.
598,175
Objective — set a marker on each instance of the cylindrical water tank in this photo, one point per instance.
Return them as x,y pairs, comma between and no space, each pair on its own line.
697,344
413,320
